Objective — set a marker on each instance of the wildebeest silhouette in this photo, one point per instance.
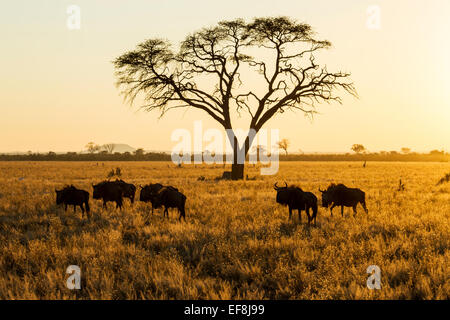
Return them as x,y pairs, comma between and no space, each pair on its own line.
297,199
108,191
340,195
73,196
128,189
148,190
169,197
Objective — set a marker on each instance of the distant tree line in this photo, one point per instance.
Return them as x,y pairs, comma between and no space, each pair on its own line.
140,155
101,156
433,156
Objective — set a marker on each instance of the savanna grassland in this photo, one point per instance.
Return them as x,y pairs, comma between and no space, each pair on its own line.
237,242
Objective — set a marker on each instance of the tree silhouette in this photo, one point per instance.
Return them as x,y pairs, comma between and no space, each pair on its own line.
406,150
259,150
205,74
284,145
109,147
92,147
358,148
139,152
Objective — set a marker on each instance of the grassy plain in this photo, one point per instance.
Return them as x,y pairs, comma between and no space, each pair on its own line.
237,242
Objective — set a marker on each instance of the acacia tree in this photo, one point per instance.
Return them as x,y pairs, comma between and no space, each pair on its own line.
109,147
284,145
358,148
279,49
92,147
406,150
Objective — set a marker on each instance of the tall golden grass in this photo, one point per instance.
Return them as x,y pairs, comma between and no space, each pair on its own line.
237,242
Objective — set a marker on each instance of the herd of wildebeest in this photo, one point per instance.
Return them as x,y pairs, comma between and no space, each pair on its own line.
170,197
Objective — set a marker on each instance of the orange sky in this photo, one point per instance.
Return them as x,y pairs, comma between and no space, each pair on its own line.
58,88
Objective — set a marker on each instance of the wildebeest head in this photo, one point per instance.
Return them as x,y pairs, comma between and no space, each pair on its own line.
156,200
97,194
282,193
325,198
327,195
59,196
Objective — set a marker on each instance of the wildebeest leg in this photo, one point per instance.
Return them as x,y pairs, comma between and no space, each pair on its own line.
342,210
166,212
65,207
307,214
290,212
331,209
354,210
74,208
182,214
104,203
363,203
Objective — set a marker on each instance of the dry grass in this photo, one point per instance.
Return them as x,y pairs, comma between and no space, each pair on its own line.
237,242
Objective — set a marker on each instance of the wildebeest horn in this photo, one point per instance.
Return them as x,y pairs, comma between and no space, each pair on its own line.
275,186
321,190
285,184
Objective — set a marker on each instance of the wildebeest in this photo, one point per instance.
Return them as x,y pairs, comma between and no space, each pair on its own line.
340,195
73,196
108,191
297,199
148,190
169,197
128,189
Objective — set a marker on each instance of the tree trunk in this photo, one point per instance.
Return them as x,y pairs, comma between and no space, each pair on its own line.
237,168
239,156
237,171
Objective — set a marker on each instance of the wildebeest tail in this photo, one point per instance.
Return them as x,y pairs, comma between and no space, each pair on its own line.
314,208
86,202
363,202
183,207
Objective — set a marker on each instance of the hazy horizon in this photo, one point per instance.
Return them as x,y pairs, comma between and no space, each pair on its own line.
169,151
59,93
